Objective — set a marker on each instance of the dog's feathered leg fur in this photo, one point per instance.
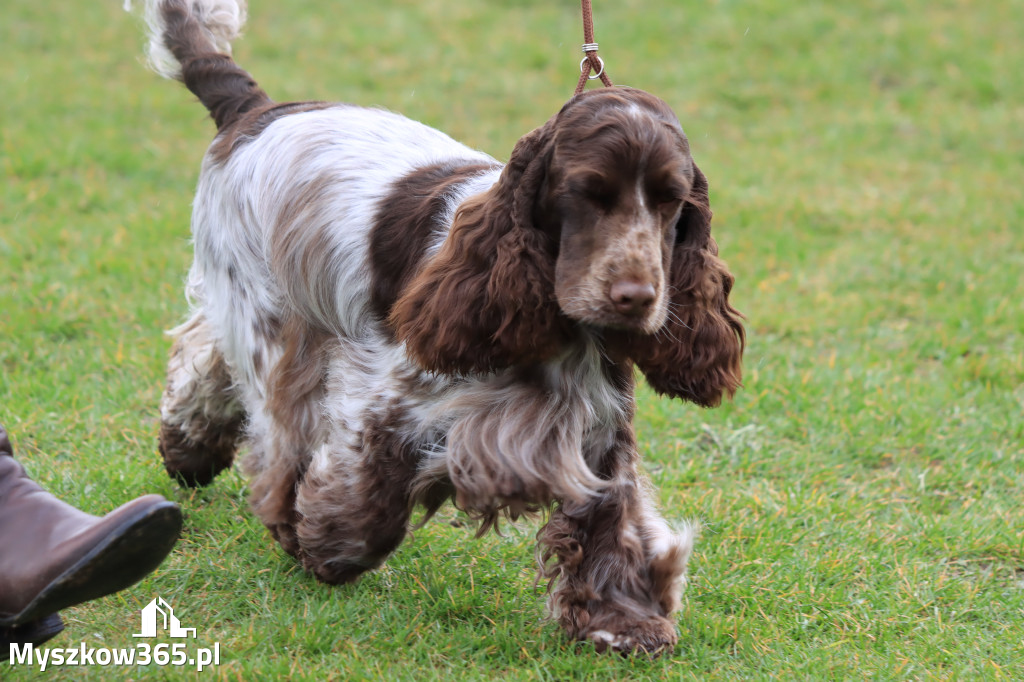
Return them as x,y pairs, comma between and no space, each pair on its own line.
200,415
353,501
616,569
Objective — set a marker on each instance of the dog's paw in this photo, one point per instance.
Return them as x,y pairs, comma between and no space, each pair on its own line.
653,636
195,461
339,573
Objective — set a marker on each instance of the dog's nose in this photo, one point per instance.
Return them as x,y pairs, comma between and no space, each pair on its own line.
631,297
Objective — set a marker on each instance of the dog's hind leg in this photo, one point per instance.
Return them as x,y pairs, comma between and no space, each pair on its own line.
286,428
201,417
275,466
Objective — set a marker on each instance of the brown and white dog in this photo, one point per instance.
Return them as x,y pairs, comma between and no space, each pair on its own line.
387,318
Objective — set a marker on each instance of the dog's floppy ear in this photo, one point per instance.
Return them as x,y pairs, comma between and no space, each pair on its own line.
696,354
486,300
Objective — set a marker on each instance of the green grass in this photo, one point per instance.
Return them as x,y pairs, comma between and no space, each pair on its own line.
862,494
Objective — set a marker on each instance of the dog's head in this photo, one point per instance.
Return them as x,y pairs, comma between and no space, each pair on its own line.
619,172
601,220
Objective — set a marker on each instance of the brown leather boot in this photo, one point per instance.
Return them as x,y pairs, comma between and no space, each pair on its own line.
53,555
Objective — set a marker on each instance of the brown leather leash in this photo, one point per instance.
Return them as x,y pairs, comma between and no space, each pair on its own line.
590,60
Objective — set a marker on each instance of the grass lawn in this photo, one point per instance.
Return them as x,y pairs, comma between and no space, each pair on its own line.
863,496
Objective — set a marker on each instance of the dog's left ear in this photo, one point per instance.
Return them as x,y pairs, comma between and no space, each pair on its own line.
696,354
486,300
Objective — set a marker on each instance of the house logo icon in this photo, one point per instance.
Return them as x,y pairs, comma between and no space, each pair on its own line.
159,611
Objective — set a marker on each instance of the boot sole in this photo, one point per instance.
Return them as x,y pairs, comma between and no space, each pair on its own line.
127,554
34,633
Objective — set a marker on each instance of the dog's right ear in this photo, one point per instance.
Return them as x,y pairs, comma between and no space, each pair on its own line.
486,300
697,355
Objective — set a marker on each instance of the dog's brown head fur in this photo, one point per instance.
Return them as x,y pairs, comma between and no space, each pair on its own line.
600,220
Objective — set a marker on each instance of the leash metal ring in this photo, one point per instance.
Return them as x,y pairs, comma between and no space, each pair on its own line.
586,60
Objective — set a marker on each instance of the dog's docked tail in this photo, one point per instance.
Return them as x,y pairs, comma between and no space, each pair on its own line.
190,41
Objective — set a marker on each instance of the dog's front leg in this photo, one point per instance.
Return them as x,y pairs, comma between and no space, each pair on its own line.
616,567
353,502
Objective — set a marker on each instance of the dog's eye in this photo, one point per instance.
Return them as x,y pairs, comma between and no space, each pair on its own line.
667,194
603,196
667,200
596,190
